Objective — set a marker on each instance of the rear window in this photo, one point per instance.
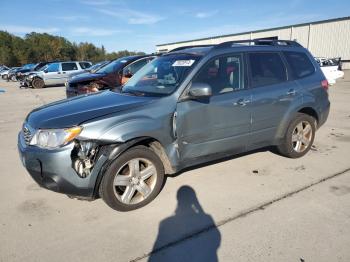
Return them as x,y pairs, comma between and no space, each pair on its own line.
69,66
300,64
266,69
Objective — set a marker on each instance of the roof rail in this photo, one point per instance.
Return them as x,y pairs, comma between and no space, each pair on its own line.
259,42
188,46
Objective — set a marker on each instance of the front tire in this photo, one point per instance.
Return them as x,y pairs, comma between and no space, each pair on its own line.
133,180
38,83
299,137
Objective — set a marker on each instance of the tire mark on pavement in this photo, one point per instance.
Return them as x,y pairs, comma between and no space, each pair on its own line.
240,215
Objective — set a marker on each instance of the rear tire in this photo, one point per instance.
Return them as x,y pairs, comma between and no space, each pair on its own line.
299,136
133,180
38,83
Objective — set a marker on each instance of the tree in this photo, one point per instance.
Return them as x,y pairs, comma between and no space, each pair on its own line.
37,47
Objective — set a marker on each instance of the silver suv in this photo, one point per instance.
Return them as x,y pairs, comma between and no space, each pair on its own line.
56,73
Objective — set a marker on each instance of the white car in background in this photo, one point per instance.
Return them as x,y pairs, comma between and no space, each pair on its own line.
331,68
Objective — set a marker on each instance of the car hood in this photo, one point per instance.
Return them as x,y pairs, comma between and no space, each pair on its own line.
85,77
74,111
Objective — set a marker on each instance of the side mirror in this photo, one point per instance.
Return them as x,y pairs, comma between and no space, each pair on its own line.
46,71
200,90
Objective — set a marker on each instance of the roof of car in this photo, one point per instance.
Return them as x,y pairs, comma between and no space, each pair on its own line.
251,44
202,50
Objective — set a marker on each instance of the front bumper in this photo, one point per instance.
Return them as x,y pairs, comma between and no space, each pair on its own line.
52,169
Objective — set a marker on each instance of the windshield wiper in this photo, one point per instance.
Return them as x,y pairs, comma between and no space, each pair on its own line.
133,92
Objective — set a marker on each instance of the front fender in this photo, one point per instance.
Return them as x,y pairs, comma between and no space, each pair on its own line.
136,127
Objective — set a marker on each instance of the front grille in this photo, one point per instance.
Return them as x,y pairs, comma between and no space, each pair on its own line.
27,133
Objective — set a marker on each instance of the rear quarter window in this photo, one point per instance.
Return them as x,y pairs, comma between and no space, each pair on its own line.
300,64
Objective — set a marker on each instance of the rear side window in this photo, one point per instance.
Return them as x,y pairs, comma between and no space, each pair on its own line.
266,69
300,64
69,66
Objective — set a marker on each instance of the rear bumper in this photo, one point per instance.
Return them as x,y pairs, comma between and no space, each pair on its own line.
52,169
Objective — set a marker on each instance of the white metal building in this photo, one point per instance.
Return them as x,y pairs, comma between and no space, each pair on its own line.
326,38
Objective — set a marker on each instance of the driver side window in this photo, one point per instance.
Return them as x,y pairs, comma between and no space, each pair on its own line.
224,74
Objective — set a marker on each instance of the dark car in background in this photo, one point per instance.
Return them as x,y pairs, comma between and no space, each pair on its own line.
110,76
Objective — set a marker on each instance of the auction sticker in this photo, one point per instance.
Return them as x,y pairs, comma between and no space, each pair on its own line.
183,62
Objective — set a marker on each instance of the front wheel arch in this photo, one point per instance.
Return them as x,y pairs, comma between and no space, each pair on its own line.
115,150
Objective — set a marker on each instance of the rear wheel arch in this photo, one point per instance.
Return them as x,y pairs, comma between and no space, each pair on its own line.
290,116
311,112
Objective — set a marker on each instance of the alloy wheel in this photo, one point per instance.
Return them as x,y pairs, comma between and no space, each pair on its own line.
135,181
302,136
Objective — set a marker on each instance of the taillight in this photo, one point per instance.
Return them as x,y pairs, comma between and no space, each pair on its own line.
324,84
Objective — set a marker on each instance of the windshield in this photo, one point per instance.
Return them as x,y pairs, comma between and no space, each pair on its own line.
112,66
162,76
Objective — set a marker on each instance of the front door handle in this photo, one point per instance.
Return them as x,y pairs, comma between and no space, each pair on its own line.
291,92
242,102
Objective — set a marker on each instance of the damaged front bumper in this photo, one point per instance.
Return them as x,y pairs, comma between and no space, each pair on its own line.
53,169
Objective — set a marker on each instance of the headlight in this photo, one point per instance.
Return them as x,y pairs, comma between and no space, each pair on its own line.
54,138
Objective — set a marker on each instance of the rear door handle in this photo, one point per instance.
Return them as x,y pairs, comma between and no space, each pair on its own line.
291,92
242,102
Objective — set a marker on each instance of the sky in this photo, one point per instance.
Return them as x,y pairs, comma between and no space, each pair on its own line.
139,25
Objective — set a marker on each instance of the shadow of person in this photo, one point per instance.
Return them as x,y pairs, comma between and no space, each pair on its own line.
189,235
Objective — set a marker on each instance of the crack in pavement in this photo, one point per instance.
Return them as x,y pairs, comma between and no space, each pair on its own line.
240,215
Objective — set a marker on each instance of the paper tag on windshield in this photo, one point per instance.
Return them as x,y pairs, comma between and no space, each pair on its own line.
183,62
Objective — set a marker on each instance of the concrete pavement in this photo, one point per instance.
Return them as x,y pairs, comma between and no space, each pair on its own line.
256,207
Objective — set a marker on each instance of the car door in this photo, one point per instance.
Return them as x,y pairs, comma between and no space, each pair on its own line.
52,74
272,95
220,123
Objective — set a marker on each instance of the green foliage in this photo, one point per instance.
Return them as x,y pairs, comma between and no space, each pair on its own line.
35,47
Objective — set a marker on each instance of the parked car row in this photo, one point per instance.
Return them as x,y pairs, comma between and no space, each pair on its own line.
331,68
187,107
7,71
